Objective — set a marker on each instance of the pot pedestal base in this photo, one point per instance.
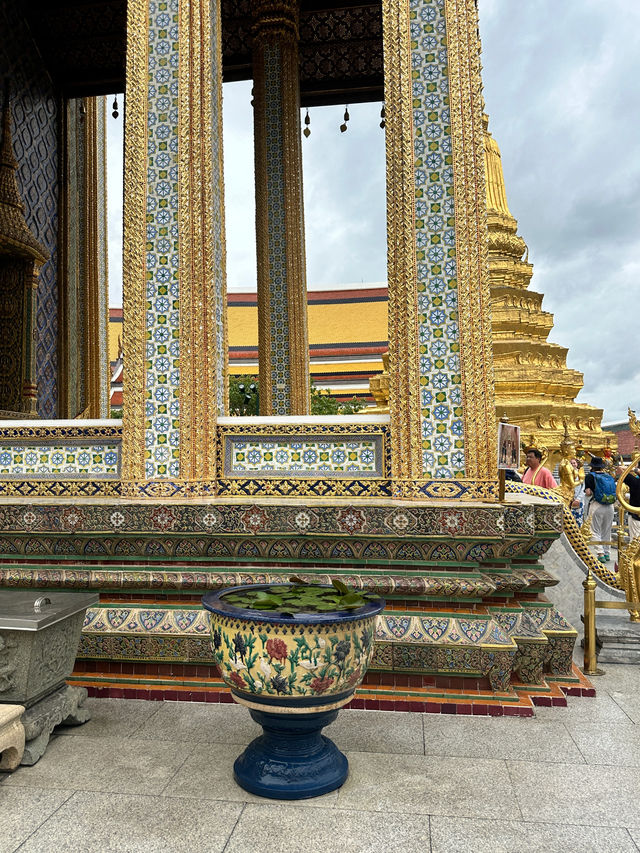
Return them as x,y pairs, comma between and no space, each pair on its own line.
291,760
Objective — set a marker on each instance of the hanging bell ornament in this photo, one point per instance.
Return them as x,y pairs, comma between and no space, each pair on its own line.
343,126
383,115
307,130
114,107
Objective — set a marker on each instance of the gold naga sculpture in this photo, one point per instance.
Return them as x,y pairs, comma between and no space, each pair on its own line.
570,472
629,556
379,387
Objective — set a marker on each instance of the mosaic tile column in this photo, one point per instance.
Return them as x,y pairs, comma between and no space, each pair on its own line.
283,345
174,279
441,367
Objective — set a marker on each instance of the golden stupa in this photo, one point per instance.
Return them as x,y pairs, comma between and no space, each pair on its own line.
534,386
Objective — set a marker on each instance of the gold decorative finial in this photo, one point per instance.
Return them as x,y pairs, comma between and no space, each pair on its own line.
496,191
567,441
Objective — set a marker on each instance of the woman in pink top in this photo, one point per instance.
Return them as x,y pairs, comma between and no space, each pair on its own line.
535,474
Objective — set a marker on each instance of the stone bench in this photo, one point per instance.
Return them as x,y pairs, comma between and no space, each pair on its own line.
11,736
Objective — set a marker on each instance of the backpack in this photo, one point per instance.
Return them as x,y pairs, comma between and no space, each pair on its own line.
605,490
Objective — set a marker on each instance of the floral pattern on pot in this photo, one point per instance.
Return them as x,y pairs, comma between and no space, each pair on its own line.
272,659
318,660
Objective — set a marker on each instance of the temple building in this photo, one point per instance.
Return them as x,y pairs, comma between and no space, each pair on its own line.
177,497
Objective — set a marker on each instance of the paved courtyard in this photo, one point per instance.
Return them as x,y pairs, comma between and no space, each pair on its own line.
156,776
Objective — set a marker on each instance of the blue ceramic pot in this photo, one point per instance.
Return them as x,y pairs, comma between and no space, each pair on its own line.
294,673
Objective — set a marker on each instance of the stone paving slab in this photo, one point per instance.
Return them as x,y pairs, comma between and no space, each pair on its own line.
628,702
118,765
461,835
384,731
276,828
23,812
617,744
203,722
113,718
119,823
428,785
569,793
601,708
500,737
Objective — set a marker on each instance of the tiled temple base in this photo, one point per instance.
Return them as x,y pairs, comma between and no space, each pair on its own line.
467,623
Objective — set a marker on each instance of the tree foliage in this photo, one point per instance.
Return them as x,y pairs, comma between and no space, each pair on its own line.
244,401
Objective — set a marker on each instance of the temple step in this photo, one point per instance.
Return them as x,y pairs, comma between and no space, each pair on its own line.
431,694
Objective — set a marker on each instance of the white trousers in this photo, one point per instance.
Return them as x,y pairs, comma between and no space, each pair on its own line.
601,517
634,528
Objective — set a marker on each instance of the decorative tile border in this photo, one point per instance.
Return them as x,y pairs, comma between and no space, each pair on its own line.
60,430
408,522
440,629
136,620
332,447
434,585
60,450
322,456
71,461
281,531
548,619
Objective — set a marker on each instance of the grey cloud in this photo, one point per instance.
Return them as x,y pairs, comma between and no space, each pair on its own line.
560,86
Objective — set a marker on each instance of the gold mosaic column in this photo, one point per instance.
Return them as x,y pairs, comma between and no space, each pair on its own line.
83,361
282,291
441,370
174,291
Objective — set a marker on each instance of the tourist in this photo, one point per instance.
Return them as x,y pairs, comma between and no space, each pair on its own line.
600,488
535,473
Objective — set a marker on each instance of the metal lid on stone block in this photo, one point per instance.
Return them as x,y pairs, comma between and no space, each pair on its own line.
32,610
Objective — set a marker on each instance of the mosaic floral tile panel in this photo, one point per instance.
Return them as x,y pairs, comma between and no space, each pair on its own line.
219,262
440,368
56,461
162,407
291,457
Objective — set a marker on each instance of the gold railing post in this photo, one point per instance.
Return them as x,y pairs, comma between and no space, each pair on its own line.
590,661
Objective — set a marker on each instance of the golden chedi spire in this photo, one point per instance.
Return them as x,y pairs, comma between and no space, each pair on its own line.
534,386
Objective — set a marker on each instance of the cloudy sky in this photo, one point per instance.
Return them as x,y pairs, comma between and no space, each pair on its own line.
561,89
